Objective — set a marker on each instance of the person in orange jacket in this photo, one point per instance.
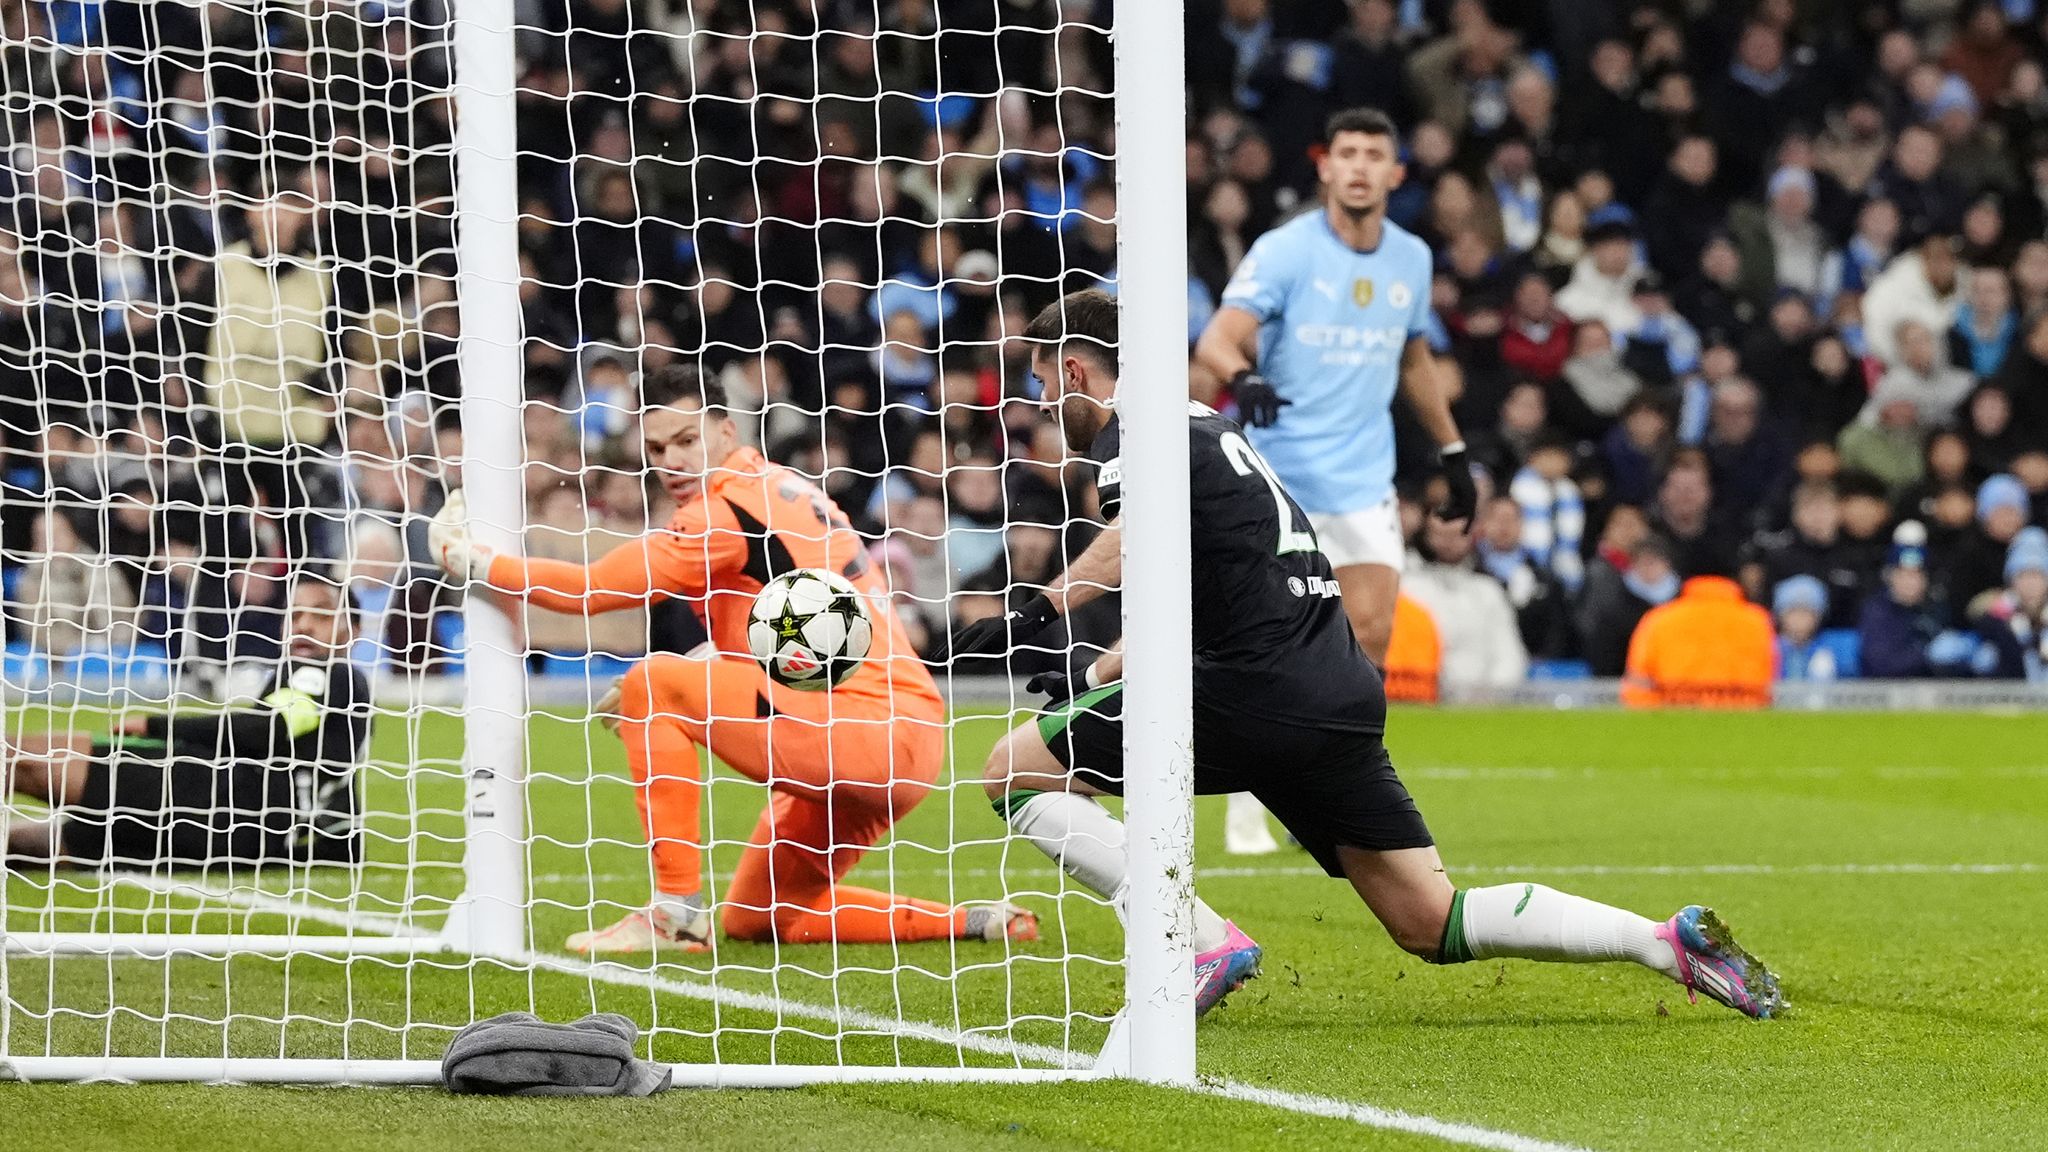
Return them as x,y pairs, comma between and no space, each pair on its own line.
1709,648
1414,655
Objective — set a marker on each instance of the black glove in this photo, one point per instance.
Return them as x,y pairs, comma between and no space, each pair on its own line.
1462,503
1020,623
1256,401
1057,686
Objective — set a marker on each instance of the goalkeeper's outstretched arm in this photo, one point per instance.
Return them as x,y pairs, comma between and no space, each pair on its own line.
631,576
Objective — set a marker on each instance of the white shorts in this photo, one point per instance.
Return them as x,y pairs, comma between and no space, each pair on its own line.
1367,536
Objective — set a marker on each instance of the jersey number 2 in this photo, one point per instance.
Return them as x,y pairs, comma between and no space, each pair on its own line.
1247,463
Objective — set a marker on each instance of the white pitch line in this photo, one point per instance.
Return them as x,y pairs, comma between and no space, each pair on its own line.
1470,1135
1238,872
861,1020
256,900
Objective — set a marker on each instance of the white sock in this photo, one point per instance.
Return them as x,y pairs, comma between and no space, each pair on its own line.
1532,922
1083,838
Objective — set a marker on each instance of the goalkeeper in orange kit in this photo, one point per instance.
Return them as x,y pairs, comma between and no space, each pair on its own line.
842,766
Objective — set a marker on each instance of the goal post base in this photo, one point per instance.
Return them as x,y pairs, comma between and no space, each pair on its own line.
399,1073
158,945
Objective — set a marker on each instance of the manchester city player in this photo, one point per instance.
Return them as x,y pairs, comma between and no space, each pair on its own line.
1285,707
1322,321
1319,324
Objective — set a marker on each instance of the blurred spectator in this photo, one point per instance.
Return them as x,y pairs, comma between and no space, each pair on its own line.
1805,651
1602,285
1749,458
1926,285
1482,642
1598,384
1542,607
1764,85
1871,248
1900,621
2023,378
268,354
1685,513
1884,440
1923,372
69,598
1538,338
1783,246
1995,439
1709,648
1662,345
1635,449
1552,515
2003,509
1623,584
2013,625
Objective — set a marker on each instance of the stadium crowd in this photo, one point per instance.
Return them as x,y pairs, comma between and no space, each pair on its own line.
1757,291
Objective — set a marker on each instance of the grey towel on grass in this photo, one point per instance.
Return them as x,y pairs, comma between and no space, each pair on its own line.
517,1054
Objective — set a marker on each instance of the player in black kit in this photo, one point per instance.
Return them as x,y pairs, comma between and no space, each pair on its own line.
274,782
1286,707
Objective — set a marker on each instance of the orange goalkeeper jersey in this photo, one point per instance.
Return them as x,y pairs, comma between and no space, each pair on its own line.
750,520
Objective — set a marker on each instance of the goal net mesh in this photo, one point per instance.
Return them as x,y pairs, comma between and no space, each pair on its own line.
231,379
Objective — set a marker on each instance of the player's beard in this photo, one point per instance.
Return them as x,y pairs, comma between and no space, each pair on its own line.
1081,421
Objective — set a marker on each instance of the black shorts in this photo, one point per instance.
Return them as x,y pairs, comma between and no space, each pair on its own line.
1330,788
138,812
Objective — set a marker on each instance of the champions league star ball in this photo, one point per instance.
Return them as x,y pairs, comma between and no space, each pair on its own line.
810,629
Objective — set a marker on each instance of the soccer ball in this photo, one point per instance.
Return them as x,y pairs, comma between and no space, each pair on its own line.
810,629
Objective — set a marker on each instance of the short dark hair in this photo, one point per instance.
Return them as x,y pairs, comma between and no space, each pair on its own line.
1370,121
326,579
673,385
1088,315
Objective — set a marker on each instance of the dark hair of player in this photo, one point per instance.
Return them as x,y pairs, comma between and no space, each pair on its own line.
1088,315
324,579
679,384
1370,121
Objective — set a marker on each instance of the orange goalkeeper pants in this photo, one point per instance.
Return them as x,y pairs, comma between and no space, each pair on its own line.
841,768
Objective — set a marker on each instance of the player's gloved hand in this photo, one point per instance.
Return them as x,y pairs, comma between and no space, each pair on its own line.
1018,624
1256,400
1058,687
448,539
1462,502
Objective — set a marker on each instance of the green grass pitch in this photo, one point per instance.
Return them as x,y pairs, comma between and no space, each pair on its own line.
1893,868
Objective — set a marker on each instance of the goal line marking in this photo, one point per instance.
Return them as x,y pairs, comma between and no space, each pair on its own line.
1250,871
1366,1115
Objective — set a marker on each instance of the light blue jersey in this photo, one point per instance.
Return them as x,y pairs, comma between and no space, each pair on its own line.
1333,322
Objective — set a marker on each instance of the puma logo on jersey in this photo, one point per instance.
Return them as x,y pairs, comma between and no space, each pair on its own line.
1328,289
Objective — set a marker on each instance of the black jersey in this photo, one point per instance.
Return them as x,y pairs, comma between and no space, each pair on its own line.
305,736
1270,636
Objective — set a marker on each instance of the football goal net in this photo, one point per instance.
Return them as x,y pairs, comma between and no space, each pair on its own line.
365,663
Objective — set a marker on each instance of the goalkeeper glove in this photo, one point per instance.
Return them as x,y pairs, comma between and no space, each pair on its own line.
1462,502
448,539
1020,623
1257,402
1061,687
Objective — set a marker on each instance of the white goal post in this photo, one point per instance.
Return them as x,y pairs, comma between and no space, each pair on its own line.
477,857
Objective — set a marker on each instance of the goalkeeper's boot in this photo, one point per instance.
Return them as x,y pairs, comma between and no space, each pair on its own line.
1000,921
1710,961
664,924
1224,969
1245,832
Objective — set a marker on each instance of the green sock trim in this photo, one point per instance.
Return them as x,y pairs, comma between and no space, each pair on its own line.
1453,950
1007,804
